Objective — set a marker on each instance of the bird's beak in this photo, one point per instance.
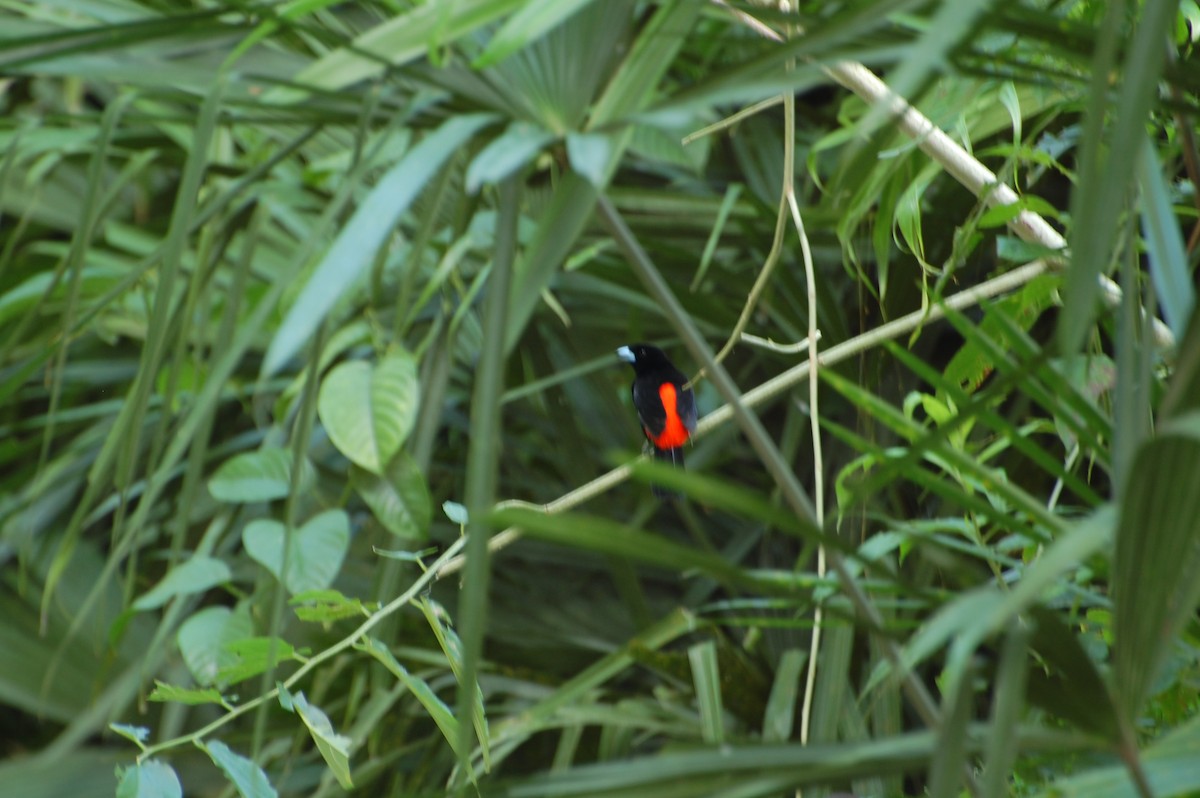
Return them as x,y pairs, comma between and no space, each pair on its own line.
626,354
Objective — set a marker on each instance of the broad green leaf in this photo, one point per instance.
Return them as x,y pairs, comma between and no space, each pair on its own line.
334,747
357,244
251,656
368,410
508,152
316,551
247,777
196,575
1114,131
529,22
589,154
401,39
662,147
1155,588
399,498
323,606
202,640
260,476
1169,764
149,779
1068,684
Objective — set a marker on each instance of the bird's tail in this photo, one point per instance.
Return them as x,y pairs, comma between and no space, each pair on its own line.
675,458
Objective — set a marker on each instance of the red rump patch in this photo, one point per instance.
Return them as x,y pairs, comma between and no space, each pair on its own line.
674,434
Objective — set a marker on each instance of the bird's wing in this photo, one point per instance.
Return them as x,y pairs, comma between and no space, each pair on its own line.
649,406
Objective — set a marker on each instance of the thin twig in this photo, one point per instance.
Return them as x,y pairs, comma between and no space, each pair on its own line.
732,119
783,349
814,418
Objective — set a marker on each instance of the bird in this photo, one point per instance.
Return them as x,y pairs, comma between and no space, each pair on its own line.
665,406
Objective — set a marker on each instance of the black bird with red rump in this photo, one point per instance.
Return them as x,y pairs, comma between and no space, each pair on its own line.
666,408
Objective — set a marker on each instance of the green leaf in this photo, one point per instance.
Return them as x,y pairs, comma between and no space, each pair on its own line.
455,512
1014,250
315,554
247,777
593,533
186,695
150,779
706,677
194,576
334,748
1008,704
93,280
1114,131
949,760
508,152
399,498
138,734
359,241
452,647
1169,764
437,709
401,39
1155,588
368,410
663,148
1164,245
406,555
286,700
202,640
780,713
590,154
736,769
323,606
530,21
1068,683
261,476
251,656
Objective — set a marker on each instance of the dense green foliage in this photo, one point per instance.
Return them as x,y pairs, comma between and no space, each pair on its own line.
307,307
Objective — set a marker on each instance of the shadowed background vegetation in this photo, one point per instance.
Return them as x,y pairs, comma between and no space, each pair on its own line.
315,454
